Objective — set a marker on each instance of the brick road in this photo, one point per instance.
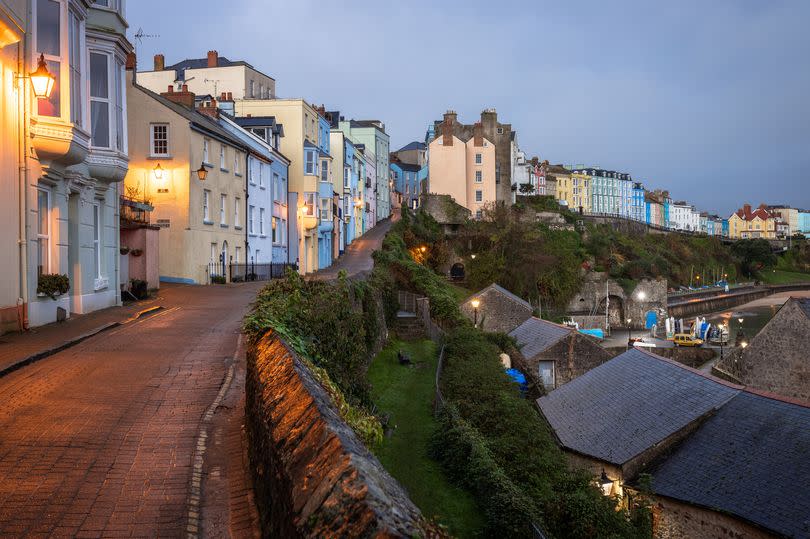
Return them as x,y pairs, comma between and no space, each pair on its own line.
99,439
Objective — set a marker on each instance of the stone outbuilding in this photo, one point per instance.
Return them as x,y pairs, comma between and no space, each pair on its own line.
554,354
446,211
499,310
725,461
777,359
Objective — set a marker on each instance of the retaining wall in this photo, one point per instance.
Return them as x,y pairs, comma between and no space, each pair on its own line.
313,476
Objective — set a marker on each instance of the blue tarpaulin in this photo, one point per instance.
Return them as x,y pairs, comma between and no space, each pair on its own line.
598,333
519,378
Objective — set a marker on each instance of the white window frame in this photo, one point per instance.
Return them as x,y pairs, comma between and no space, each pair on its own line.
75,56
153,138
310,163
274,226
236,203
324,175
46,235
108,101
479,176
479,158
206,206
97,226
479,195
251,219
205,151
236,158
223,200
326,214
54,61
261,222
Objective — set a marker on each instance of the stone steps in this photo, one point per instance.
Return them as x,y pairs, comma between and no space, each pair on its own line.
409,328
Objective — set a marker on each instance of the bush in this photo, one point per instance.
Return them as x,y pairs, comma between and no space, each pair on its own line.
138,288
53,284
218,279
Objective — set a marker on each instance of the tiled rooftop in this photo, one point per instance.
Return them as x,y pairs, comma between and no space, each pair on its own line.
535,335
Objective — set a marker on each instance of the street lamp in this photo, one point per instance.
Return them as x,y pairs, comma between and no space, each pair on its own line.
475,304
158,171
605,483
472,256
629,321
202,172
42,80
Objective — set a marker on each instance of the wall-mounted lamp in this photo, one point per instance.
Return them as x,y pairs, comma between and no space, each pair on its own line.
158,172
42,80
605,483
202,172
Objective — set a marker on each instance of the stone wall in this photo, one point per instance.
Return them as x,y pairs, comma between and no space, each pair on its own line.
573,356
676,520
649,294
312,475
776,360
498,311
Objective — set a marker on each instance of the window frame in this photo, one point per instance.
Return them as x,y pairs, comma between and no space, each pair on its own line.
97,226
251,219
223,200
236,203
45,266
207,207
261,222
153,139
108,101
479,196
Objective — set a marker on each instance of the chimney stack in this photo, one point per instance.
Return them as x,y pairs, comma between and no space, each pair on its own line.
160,62
211,110
747,209
132,63
478,134
213,59
183,97
448,126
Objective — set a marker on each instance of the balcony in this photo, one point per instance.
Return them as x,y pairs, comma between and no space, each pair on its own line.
134,213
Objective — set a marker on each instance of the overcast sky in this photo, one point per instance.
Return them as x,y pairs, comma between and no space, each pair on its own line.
709,99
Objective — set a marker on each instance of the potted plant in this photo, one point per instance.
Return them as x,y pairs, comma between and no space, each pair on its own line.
124,250
136,252
138,288
52,285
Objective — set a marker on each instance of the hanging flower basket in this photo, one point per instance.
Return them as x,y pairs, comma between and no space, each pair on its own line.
124,250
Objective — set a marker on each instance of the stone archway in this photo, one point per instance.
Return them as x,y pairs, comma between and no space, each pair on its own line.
616,310
457,271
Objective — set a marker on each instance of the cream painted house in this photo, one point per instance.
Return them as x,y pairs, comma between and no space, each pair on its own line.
300,145
61,190
211,75
202,222
465,170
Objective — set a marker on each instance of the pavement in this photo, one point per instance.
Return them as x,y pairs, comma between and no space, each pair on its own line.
136,431
357,258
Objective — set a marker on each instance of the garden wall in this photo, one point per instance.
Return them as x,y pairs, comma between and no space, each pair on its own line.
313,476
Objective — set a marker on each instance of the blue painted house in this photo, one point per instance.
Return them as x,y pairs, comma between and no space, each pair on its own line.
407,180
637,207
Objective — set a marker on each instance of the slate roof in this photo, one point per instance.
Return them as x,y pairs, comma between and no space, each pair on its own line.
535,336
804,305
407,167
256,121
628,404
202,63
750,460
415,145
198,119
502,290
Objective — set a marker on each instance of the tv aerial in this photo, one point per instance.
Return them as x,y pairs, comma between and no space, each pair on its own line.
140,35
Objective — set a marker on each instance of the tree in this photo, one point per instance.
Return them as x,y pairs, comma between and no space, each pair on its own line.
753,255
526,189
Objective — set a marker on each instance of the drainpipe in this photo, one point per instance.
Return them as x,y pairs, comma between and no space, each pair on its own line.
22,139
245,211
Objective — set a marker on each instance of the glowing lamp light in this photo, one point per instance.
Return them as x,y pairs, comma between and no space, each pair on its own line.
472,256
743,344
423,248
202,172
475,303
42,80
605,483
158,172
642,295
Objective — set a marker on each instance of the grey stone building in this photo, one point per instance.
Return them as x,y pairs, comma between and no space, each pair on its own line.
554,354
724,461
777,359
499,310
449,214
505,141
598,293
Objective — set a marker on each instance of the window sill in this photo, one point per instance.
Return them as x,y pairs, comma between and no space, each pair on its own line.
223,169
224,225
237,227
159,157
263,236
239,174
207,165
207,222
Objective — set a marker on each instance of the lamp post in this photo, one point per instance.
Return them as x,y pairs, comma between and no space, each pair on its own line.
629,321
475,304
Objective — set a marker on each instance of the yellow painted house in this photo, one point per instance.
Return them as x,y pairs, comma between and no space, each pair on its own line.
749,224
201,216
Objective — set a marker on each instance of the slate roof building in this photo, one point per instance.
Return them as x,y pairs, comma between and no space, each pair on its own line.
776,360
554,354
725,462
499,309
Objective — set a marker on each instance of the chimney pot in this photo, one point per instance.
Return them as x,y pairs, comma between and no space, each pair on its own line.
213,59
160,62
171,88
185,88
230,96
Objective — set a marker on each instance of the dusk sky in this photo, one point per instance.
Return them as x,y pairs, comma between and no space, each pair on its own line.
710,100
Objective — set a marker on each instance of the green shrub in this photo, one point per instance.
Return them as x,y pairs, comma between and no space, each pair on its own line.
53,284
138,288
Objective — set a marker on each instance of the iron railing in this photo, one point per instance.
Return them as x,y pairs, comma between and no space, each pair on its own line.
258,272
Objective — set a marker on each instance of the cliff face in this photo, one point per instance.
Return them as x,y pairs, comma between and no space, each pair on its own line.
313,476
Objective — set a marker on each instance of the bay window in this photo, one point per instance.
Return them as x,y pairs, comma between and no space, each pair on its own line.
310,164
310,204
43,232
49,38
75,62
324,170
326,209
100,100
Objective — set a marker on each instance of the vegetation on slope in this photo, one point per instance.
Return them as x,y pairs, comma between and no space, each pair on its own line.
404,394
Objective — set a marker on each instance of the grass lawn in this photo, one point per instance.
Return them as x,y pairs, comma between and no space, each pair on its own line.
784,277
406,395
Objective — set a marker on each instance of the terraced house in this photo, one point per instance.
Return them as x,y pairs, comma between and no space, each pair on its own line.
64,155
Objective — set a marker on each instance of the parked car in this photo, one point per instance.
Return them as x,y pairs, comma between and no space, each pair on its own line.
686,339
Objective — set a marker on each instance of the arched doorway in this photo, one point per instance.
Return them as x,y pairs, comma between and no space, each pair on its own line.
615,310
457,271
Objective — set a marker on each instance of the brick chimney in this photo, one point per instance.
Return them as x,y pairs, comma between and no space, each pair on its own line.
448,126
211,110
132,62
213,59
478,134
489,117
183,97
747,209
160,62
